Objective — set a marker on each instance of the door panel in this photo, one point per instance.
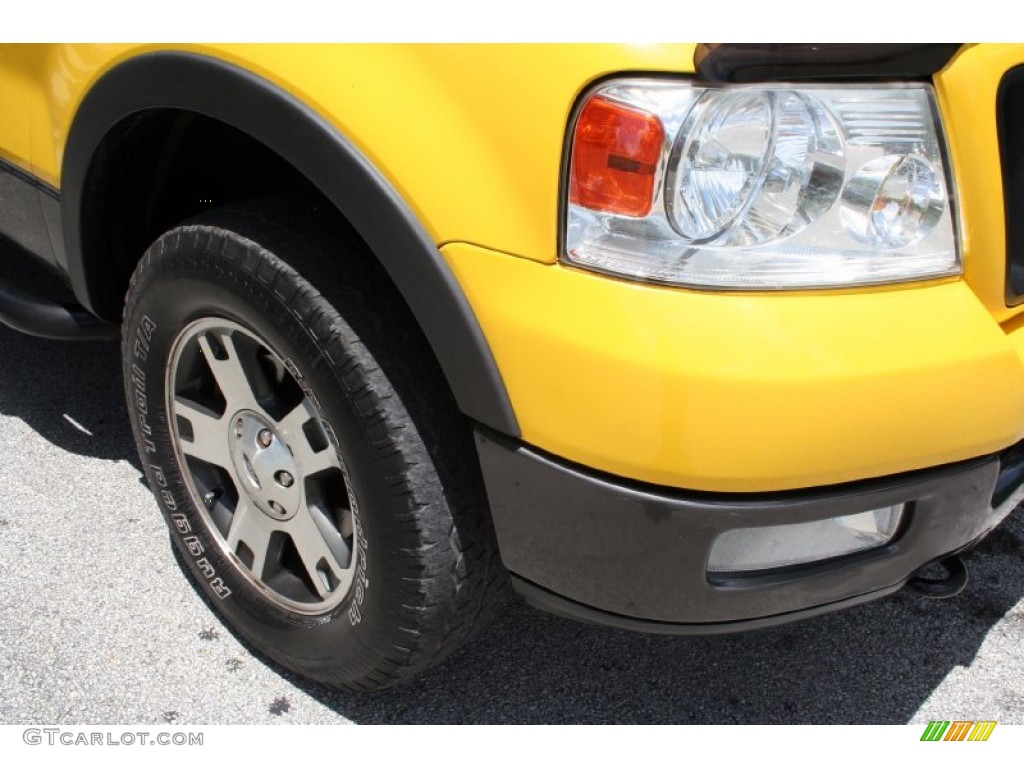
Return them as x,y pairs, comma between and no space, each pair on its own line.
21,205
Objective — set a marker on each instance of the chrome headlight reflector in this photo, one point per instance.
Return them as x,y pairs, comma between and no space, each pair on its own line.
766,187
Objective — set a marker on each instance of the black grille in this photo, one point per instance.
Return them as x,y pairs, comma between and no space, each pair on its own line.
1010,116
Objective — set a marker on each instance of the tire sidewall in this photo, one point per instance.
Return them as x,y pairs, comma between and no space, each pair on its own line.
192,283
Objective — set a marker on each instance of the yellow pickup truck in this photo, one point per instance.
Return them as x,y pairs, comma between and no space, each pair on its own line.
678,338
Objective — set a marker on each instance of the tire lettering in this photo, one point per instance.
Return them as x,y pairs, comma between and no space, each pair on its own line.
140,346
195,547
142,405
362,583
147,326
329,430
143,335
219,588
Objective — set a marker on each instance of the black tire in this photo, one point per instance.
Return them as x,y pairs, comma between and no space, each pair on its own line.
424,565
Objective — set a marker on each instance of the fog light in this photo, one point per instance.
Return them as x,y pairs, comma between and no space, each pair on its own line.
776,546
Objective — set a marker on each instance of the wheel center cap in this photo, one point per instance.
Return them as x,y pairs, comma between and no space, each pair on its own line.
264,465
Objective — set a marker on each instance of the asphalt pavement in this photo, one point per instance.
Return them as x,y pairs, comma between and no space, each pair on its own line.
100,624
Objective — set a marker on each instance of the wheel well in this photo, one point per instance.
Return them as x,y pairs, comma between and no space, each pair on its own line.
162,167
158,168
162,132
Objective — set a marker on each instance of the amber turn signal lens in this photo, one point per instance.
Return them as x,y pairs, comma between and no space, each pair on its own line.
615,158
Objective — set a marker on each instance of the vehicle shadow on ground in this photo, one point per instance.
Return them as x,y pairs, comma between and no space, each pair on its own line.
70,393
876,663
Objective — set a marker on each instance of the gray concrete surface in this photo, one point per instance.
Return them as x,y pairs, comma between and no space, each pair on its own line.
99,624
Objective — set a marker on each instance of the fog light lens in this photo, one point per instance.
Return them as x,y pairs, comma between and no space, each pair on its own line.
776,546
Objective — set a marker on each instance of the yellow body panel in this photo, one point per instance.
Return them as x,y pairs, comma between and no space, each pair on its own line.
745,392
720,392
22,95
470,135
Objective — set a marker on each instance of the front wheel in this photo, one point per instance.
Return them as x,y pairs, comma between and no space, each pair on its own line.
313,469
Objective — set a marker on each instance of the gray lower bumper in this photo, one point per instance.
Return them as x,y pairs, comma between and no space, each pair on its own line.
605,549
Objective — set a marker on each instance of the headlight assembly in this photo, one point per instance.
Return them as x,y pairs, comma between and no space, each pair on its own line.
759,187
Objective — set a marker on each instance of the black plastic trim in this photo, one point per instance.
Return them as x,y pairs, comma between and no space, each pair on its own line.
211,87
1010,127
34,182
638,551
758,62
1011,474
26,200
50,319
546,600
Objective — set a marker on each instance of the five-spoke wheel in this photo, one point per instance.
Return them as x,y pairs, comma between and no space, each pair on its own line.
260,464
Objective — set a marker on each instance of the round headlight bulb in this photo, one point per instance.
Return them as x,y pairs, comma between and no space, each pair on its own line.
752,166
892,201
718,158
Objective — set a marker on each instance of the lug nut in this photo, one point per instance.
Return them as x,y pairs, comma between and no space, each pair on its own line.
239,428
284,479
276,508
265,437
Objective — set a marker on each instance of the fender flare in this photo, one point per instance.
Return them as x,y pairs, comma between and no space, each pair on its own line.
287,126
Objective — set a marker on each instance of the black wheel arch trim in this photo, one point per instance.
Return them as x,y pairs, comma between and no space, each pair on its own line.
280,121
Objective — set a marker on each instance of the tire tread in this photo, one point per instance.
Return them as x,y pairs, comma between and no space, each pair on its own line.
453,580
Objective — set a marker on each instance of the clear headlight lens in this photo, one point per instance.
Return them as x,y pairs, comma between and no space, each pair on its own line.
752,167
760,187
893,201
